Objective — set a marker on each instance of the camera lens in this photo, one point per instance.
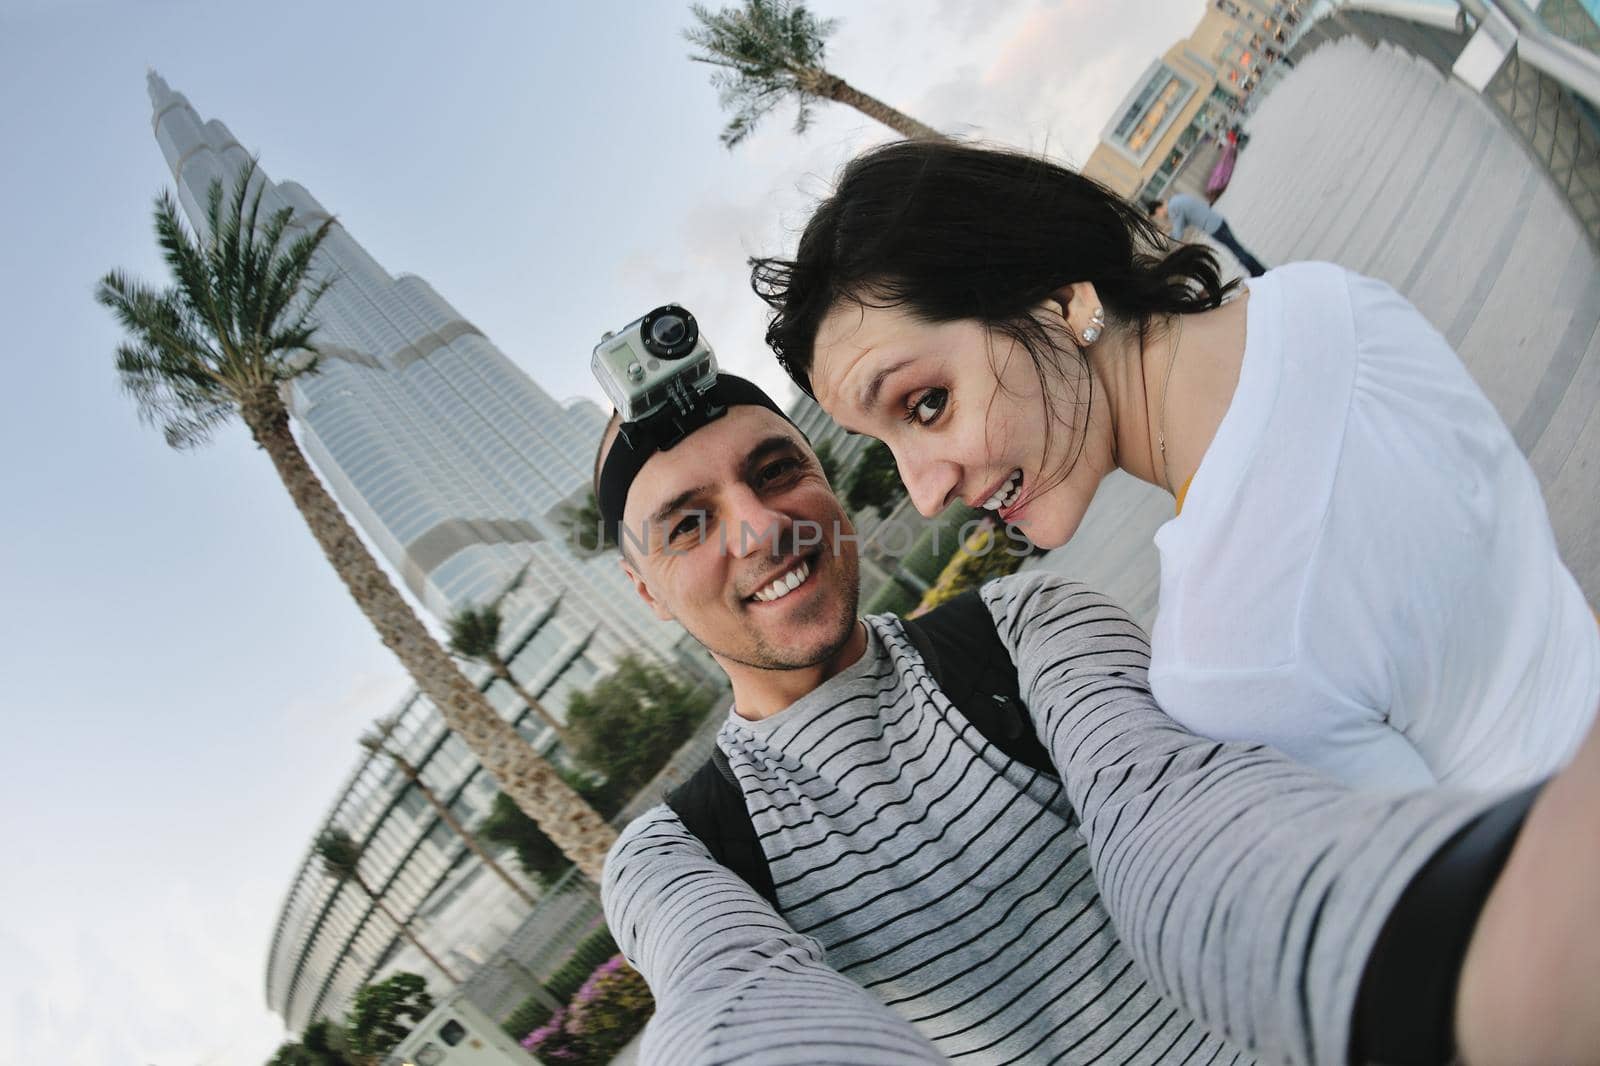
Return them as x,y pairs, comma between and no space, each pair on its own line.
669,332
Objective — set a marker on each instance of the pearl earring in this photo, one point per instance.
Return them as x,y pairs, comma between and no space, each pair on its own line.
1097,325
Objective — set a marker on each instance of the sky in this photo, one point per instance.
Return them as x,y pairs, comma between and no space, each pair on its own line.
185,678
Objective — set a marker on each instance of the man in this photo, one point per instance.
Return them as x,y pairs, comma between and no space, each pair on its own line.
935,898
1182,211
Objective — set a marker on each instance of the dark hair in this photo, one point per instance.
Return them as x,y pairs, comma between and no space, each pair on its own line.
951,231
1152,206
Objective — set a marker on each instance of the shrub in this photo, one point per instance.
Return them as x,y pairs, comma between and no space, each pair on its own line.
605,1013
591,951
988,553
893,598
932,550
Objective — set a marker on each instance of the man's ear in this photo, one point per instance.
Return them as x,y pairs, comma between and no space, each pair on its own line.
643,589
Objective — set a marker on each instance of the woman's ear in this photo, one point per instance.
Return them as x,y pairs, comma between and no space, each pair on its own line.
1076,304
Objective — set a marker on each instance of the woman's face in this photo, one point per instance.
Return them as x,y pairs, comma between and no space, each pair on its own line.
963,410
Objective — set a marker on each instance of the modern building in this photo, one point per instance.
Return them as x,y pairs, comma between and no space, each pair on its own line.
458,469
1186,99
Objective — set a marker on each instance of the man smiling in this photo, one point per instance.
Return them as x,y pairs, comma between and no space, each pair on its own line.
932,895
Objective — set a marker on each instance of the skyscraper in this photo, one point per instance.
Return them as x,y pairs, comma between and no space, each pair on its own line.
456,467
452,461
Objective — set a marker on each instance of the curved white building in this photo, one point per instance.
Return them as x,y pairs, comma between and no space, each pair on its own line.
456,467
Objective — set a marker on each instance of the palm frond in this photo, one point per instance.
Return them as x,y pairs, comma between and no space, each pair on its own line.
764,50
475,633
339,852
237,316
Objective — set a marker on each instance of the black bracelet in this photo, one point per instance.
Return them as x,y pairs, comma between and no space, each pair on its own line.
1405,1010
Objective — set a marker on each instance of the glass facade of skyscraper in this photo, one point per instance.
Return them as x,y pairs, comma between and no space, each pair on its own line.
457,467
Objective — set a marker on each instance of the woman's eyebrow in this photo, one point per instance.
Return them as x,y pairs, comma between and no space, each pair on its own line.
869,395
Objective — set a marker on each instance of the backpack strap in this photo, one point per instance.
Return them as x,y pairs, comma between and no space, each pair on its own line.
969,662
711,806
972,665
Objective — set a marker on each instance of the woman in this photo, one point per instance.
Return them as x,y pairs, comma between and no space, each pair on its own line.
1361,571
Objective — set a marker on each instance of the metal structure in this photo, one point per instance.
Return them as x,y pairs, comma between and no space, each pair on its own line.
1538,70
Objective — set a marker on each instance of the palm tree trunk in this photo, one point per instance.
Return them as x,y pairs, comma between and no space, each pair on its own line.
503,672
831,87
531,782
460,830
405,930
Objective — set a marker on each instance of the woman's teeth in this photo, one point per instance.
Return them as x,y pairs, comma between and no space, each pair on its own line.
784,585
1007,494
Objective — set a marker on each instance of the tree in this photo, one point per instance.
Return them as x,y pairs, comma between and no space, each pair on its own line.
874,481
377,742
475,635
586,530
769,50
541,860
507,825
386,1012
224,342
322,1044
829,463
341,860
629,724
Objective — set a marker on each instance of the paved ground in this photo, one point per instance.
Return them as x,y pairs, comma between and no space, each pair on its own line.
1371,160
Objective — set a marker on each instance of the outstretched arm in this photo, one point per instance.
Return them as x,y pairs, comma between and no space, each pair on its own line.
733,982
1250,888
1530,988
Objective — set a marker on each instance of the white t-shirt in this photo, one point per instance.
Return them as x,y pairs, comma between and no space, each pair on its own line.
1363,574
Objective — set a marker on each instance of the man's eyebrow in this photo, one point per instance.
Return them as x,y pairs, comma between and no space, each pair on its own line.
869,395
776,443
676,502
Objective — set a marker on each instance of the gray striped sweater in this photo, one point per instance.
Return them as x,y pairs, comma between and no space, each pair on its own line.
939,902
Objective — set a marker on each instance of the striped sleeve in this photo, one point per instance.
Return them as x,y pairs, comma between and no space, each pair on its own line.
733,982
1249,888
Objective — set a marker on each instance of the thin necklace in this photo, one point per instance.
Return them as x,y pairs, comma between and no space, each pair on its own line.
1161,428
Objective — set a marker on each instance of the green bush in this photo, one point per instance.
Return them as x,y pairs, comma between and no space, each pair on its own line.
591,951
988,553
930,552
529,1015
610,1008
893,598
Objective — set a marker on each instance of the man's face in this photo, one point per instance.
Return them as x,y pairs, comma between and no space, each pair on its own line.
736,535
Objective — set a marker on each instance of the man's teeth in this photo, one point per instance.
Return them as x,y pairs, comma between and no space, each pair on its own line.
785,584
1007,494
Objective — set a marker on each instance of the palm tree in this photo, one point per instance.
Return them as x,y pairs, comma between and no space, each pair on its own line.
341,860
475,635
225,341
377,743
769,50
586,531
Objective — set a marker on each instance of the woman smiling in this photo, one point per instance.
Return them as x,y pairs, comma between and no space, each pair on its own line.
1360,570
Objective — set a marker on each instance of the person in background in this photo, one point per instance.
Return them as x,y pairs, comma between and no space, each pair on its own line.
1179,212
